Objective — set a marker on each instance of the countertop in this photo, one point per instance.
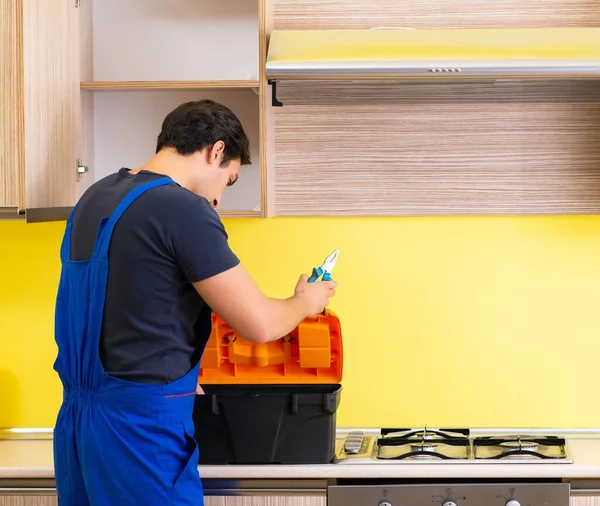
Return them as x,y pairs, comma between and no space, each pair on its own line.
33,459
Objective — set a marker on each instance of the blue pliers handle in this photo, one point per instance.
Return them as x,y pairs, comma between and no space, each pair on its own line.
325,269
316,274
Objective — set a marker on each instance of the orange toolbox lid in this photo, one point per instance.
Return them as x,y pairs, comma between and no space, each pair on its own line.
310,354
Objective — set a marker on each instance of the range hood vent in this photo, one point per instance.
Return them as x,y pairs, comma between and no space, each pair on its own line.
433,55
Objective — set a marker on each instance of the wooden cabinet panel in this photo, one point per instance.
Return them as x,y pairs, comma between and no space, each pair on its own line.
582,500
51,101
477,149
28,500
402,149
259,500
310,14
65,60
11,101
214,500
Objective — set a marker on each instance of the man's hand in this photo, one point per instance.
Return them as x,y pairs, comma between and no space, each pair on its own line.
236,298
314,297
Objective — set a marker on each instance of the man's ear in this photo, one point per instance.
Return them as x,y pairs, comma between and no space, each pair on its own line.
216,152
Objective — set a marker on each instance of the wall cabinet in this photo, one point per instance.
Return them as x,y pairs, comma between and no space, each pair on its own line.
9,119
98,78
39,93
393,149
86,84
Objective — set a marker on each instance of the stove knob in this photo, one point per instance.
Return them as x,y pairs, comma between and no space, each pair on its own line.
449,503
385,503
512,502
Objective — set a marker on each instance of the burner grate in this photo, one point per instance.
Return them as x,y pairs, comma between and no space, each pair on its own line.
450,445
401,441
426,433
519,446
444,444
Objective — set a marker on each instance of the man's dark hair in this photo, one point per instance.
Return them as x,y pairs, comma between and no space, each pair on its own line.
193,126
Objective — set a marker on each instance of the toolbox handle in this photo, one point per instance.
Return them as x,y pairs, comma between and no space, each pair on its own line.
214,405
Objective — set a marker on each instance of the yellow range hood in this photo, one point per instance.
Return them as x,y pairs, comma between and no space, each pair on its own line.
432,55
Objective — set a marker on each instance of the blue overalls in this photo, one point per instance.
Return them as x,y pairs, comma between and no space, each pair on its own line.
116,442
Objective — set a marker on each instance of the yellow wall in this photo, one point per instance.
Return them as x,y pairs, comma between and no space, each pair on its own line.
447,321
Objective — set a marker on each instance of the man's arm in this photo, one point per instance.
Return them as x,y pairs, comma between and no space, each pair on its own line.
200,246
236,298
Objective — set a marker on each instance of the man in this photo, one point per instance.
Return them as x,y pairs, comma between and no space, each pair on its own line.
145,258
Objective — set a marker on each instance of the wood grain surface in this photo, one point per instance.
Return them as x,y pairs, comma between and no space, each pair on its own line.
11,102
391,149
319,14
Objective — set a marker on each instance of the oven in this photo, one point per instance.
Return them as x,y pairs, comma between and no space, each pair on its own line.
450,494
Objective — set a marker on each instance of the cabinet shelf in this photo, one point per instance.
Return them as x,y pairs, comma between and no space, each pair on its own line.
170,85
239,214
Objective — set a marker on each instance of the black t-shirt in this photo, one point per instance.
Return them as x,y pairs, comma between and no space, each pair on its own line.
155,325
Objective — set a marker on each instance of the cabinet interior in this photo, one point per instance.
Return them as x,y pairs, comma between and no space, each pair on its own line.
142,58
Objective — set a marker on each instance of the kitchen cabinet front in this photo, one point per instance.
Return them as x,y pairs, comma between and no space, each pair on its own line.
586,500
265,500
28,499
50,499
87,90
39,94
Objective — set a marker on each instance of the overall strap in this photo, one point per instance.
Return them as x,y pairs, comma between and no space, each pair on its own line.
65,247
108,224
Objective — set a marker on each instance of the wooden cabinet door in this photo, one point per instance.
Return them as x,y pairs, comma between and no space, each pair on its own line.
50,62
28,500
10,104
214,500
583,500
264,500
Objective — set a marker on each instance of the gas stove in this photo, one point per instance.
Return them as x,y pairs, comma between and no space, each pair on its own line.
427,446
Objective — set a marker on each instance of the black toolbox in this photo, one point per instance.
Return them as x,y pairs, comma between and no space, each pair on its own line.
272,403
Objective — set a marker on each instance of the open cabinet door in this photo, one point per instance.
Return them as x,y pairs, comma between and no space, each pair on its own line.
10,105
51,106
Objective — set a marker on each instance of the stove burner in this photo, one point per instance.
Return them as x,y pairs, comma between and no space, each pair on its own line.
423,446
526,446
458,445
389,435
445,444
518,446
428,435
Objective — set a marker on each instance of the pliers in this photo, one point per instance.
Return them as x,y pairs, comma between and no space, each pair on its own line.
325,269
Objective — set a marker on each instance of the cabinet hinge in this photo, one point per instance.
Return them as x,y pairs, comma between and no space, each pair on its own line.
77,3
81,170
